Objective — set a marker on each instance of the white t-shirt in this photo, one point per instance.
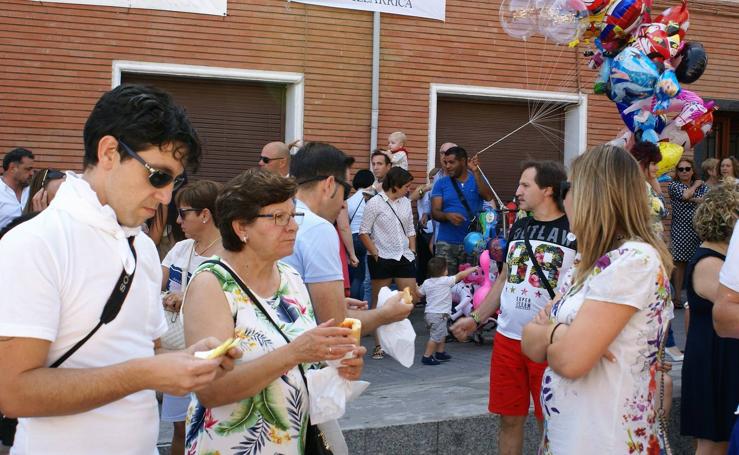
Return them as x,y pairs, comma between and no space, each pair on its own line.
58,271
438,292
729,275
10,207
177,259
355,209
524,295
612,406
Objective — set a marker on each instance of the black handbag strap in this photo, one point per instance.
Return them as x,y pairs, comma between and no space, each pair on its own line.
257,302
351,218
111,309
396,215
462,199
542,278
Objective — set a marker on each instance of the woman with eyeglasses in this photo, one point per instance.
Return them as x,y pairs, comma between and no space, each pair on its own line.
44,185
602,334
196,207
262,406
686,192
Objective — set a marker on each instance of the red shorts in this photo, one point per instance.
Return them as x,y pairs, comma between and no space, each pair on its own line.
514,379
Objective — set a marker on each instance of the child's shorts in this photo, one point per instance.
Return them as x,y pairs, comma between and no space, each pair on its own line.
436,323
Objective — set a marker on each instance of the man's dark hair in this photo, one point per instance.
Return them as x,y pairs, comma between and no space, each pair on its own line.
378,152
141,116
436,266
362,179
548,174
16,156
318,159
396,178
457,151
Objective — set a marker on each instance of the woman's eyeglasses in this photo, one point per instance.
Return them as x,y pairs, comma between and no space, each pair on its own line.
183,212
564,188
283,218
49,175
157,178
684,169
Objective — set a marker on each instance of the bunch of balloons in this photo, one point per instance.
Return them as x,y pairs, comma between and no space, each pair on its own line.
644,63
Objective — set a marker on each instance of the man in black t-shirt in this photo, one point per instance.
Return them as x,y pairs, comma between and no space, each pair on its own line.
520,293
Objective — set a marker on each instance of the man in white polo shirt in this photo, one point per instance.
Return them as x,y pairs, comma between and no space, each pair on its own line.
17,173
82,254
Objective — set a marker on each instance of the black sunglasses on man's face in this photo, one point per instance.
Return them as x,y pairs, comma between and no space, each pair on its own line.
157,178
342,182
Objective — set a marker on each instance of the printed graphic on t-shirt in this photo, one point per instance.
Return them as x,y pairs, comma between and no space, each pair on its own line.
524,294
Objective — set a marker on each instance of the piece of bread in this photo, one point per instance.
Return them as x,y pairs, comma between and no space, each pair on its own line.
355,325
223,348
407,298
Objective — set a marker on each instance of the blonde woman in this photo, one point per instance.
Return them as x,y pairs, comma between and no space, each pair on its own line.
617,297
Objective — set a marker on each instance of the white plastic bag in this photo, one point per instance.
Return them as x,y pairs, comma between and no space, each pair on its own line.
329,393
397,339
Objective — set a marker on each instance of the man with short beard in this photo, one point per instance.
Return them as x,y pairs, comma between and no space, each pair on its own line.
14,189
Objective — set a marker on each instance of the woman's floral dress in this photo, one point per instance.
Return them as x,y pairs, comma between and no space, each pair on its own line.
611,409
275,420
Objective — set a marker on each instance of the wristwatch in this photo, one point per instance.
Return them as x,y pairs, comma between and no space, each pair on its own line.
475,317
420,191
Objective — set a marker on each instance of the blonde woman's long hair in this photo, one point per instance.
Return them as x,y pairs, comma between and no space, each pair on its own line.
609,198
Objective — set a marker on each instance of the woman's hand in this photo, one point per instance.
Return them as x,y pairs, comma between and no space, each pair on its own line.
172,302
325,342
351,369
40,200
353,261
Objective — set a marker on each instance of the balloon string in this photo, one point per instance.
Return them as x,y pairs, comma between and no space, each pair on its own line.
503,138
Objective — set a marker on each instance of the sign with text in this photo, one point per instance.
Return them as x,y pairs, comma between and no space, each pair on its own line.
431,9
214,7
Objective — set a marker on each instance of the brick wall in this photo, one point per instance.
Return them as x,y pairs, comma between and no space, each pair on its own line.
57,61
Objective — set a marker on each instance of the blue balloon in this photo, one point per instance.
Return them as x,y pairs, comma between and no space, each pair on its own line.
474,243
633,77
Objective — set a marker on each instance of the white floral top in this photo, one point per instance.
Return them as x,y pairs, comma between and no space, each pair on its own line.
611,409
275,420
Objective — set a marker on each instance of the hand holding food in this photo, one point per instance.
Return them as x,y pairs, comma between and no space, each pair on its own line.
220,350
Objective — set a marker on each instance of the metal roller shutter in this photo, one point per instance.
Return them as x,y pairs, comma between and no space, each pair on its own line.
475,124
234,119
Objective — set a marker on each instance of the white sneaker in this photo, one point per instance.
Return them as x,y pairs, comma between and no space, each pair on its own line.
675,354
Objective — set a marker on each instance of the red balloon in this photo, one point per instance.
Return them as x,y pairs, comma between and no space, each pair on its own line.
676,18
699,128
653,41
622,18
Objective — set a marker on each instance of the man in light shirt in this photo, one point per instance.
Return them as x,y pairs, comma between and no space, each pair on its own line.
17,173
85,254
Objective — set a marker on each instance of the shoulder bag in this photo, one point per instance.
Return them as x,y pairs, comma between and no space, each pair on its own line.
315,441
472,226
537,267
174,337
111,309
